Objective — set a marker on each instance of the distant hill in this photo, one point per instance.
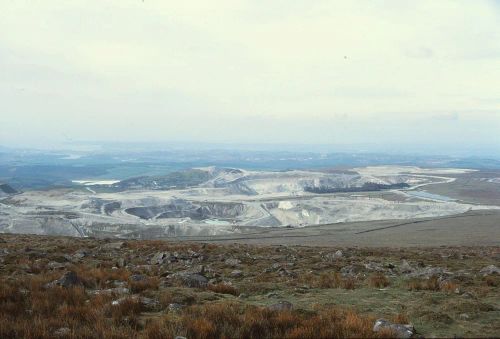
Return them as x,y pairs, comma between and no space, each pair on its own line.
180,179
7,189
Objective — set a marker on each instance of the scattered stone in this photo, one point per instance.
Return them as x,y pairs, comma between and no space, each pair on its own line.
284,272
236,273
146,302
193,254
429,272
118,283
243,296
374,266
214,281
201,270
281,306
489,270
54,265
232,262
468,295
113,245
276,266
137,277
350,270
144,268
175,307
69,279
115,290
160,258
62,332
149,302
405,267
194,280
80,254
402,331
333,256
121,263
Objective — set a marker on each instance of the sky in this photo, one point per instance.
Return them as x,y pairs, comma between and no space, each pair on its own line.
379,74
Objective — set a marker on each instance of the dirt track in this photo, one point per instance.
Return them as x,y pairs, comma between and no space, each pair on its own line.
474,228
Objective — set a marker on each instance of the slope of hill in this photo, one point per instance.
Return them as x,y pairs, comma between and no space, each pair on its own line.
74,287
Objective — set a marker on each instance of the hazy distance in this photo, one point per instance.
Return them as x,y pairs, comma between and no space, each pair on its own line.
383,76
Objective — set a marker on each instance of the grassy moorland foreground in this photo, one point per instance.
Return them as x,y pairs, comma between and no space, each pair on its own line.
74,287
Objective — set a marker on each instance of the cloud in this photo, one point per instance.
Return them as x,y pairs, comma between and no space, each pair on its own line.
179,70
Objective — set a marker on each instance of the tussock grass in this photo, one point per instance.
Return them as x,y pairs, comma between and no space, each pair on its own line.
331,280
30,309
224,289
378,280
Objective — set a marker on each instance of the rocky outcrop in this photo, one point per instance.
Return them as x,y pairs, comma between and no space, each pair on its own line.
69,279
400,330
489,270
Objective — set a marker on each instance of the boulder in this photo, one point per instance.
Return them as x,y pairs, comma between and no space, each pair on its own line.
400,330
489,270
405,267
160,258
333,256
137,277
121,263
69,279
194,280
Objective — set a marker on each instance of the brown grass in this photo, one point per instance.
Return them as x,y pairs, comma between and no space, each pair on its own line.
230,320
415,284
150,283
224,289
431,284
378,280
30,310
333,280
492,281
448,286
401,318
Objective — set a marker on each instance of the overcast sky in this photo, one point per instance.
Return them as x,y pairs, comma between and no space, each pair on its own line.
310,72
